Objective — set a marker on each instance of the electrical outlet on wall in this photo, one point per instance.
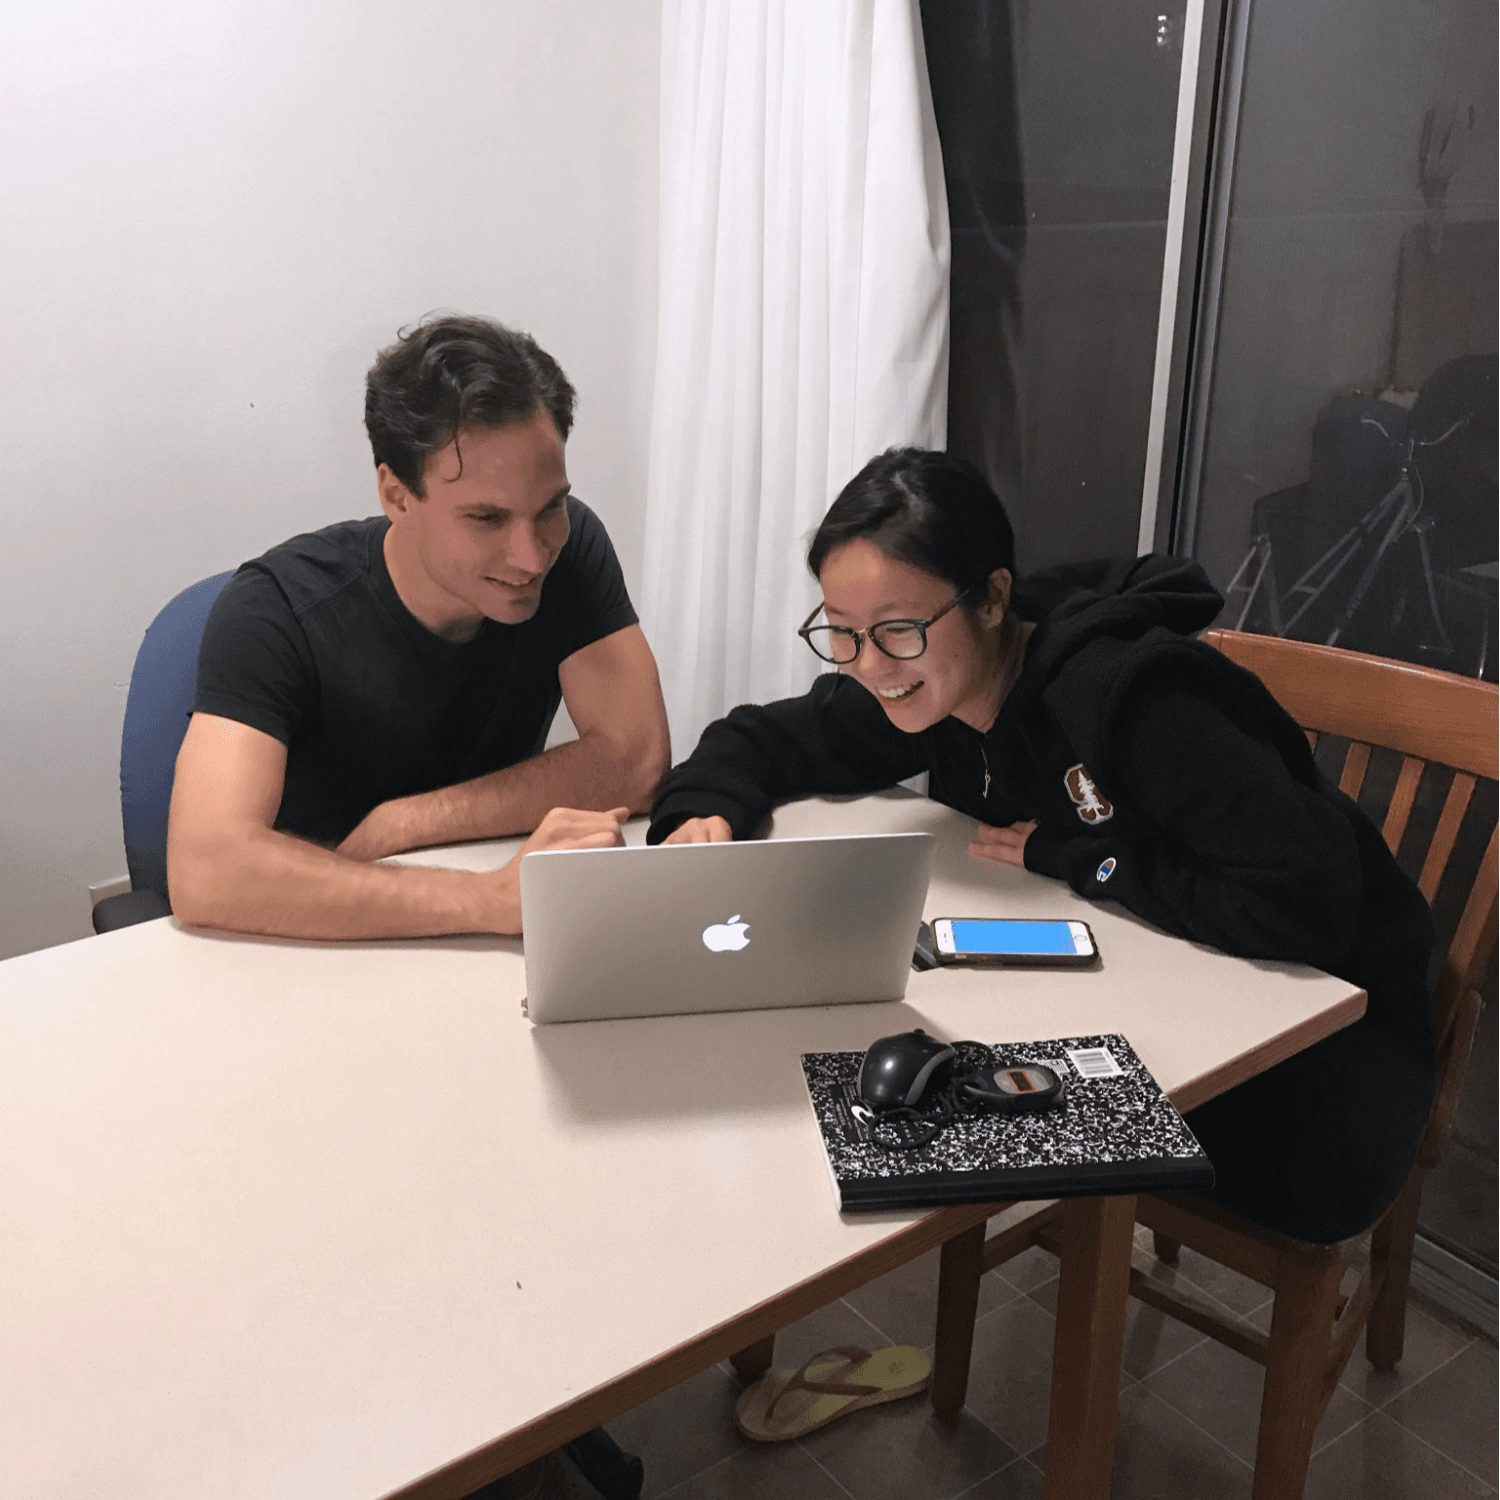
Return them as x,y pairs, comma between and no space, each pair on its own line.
115,886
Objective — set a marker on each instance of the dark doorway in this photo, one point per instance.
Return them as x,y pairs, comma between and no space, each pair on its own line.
1057,125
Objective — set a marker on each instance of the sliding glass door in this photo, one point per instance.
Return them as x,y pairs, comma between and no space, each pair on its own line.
1338,463
1335,467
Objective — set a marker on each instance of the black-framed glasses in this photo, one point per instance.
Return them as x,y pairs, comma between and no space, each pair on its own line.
901,640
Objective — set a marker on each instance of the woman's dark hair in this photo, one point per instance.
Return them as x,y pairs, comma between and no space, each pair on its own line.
450,372
926,509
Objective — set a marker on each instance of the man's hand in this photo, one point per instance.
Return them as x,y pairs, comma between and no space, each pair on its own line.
570,828
1006,846
701,831
382,832
562,828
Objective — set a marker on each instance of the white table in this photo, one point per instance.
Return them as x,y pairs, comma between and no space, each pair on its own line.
283,1218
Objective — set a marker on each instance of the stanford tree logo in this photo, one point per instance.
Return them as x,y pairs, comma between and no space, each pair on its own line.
1093,806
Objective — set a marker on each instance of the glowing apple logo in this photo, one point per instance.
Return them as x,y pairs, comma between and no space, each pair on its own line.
727,937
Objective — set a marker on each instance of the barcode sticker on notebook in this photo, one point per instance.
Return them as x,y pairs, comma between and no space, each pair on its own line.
1095,1062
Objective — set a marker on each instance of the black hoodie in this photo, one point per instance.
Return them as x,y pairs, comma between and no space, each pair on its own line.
1160,775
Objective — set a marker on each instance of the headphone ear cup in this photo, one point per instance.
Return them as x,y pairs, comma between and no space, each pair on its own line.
1021,1089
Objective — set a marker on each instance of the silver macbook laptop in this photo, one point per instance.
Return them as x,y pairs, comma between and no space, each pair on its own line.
657,931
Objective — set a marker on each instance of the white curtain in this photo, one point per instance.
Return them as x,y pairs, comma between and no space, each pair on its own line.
803,321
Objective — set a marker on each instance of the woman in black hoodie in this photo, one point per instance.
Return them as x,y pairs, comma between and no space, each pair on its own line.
1072,713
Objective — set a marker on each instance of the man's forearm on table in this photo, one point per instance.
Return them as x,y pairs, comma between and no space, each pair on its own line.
268,882
589,772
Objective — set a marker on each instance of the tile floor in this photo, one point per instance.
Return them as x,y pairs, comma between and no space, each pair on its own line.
1188,1408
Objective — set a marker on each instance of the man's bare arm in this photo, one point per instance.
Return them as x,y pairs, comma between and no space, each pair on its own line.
613,696
228,866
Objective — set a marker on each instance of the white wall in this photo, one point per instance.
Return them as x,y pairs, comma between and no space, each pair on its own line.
211,216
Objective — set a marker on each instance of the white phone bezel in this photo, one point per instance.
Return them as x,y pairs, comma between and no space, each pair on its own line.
1083,939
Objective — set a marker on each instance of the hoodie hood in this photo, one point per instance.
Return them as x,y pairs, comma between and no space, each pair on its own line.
1119,598
1103,628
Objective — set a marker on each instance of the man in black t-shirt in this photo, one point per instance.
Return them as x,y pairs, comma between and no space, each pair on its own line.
388,684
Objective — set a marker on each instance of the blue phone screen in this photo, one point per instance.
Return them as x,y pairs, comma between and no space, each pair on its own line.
1013,937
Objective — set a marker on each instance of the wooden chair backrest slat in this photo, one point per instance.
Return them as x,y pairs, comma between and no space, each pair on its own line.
1398,814
1445,835
1415,710
1356,764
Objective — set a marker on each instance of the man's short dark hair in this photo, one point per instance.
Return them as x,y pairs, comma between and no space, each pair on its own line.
449,372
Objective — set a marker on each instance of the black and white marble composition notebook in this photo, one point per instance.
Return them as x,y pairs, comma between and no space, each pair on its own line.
1114,1132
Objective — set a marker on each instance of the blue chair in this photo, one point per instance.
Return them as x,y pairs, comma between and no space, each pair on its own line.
156,719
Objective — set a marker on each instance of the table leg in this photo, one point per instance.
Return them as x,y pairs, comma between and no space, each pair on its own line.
1096,1236
959,1269
753,1362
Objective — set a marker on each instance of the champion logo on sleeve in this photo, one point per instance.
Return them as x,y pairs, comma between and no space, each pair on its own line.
1105,870
1093,806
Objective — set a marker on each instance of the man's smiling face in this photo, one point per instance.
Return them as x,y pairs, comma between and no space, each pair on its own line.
490,526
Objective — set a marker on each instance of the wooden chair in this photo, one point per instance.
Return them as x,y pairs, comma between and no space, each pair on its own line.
1428,717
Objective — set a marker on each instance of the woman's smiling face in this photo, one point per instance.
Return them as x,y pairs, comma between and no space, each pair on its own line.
958,673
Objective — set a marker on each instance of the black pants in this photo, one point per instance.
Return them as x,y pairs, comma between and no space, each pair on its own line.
1318,1145
614,1473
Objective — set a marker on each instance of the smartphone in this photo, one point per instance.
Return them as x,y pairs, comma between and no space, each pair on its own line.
1007,940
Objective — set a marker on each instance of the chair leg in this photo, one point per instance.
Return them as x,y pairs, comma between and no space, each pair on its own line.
1167,1249
754,1360
1307,1288
959,1269
1390,1256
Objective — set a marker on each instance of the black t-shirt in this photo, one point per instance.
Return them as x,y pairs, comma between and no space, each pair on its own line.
312,645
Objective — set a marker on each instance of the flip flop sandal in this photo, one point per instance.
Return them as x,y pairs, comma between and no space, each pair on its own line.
791,1403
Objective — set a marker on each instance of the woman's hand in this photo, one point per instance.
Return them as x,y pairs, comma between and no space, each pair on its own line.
701,831
1006,846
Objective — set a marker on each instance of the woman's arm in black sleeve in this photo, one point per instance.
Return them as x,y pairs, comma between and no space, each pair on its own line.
835,738
1243,856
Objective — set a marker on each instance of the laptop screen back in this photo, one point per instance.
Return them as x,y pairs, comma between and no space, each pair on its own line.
702,927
